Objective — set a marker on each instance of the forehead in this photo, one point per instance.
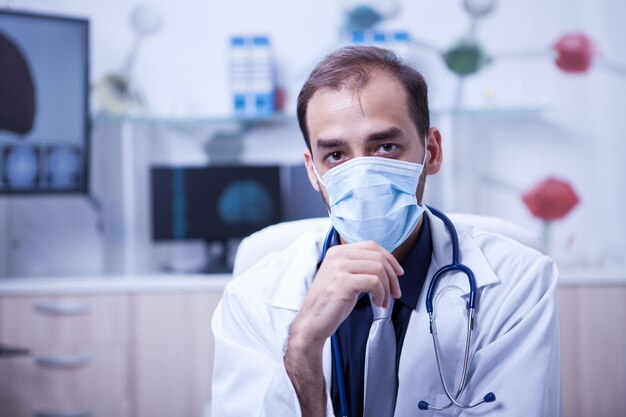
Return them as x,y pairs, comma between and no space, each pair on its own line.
376,81
380,103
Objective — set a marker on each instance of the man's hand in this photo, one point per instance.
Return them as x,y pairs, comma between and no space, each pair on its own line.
346,271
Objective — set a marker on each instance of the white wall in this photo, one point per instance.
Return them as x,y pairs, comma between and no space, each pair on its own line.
576,133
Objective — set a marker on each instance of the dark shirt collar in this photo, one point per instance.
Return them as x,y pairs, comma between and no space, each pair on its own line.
415,265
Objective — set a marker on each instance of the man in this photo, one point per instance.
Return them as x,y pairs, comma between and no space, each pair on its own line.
364,117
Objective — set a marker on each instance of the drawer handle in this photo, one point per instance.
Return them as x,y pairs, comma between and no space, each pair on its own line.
62,309
63,362
73,413
11,351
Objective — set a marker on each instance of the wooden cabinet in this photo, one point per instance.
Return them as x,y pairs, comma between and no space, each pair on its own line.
173,353
142,353
593,346
131,354
78,356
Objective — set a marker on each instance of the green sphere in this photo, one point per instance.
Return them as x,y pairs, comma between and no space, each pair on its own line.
466,58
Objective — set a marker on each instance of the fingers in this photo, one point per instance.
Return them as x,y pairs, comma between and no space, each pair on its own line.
381,271
393,287
373,285
373,248
371,259
347,271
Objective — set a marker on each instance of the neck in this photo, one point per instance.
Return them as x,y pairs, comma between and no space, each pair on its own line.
401,251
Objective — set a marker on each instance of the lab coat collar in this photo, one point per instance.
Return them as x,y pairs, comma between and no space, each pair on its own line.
470,253
290,289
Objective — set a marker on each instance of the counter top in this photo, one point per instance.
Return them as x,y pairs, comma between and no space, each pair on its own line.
176,283
113,284
602,276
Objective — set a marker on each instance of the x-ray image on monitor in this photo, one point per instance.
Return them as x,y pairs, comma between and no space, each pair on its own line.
43,103
214,203
62,166
21,167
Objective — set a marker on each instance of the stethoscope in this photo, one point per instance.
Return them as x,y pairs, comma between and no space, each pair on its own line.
455,266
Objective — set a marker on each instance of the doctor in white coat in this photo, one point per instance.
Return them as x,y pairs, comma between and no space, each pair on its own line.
363,111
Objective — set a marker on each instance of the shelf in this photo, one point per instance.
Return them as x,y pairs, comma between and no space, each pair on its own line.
491,112
159,283
282,118
277,118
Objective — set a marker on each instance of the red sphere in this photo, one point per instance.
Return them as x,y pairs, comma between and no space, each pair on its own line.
550,199
574,53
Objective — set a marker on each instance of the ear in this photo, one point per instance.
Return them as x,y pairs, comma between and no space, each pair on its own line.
308,162
433,146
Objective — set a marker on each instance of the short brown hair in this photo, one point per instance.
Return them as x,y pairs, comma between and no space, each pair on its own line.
351,67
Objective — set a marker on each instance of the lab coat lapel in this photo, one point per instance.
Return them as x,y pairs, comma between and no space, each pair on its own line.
289,292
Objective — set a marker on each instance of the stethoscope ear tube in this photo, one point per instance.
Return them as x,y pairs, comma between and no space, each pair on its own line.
343,403
432,287
329,240
455,266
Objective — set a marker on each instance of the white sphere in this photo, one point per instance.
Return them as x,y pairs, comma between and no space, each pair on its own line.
478,8
146,20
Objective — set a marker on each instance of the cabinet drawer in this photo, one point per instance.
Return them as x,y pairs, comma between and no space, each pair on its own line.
100,408
62,321
61,381
104,375
15,390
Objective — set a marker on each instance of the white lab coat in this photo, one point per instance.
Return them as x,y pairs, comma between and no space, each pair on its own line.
514,351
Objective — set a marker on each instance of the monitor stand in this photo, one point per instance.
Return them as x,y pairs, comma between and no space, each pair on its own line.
220,254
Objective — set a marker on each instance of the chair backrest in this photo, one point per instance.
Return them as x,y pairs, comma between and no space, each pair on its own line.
272,239
277,237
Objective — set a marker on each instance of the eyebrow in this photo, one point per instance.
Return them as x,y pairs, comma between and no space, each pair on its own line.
329,143
391,133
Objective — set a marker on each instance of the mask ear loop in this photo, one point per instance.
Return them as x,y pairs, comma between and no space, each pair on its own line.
319,180
423,170
424,160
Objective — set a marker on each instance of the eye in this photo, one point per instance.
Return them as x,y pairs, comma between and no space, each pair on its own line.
387,148
333,157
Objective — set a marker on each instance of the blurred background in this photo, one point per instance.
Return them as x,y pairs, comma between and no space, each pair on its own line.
140,142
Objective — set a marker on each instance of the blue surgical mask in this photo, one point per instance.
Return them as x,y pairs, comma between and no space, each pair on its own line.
373,198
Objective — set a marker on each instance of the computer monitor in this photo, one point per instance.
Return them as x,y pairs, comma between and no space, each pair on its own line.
214,202
221,204
44,96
